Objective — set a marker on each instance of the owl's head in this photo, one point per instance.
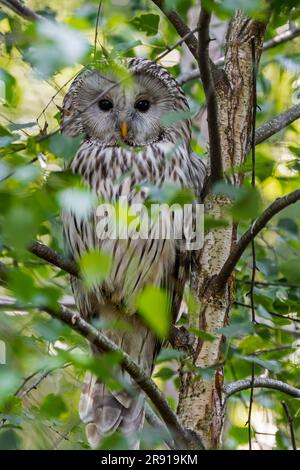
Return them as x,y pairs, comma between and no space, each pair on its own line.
134,112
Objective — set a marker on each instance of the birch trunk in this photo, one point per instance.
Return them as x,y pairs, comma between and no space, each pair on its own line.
201,407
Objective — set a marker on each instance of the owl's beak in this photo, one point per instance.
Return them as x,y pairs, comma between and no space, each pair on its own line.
124,129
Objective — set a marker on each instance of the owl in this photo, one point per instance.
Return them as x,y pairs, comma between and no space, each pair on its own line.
127,148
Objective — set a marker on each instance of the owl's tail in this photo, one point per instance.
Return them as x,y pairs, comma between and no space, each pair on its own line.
104,411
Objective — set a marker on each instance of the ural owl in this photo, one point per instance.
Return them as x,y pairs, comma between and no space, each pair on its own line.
125,148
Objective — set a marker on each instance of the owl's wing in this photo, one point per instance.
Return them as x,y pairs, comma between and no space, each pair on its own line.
175,283
198,175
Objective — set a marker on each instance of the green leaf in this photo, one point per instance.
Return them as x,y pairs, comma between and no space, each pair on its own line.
22,285
80,202
174,116
115,441
21,225
4,131
153,305
246,200
12,407
9,380
94,266
165,373
8,92
53,406
291,270
6,140
104,367
123,47
146,23
166,355
289,225
53,46
250,344
51,329
271,365
256,8
237,330
211,223
63,146
9,440
21,125
294,150
202,334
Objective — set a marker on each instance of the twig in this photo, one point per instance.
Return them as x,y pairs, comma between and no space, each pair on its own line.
270,284
40,379
274,314
278,205
215,155
282,38
277,124
291,424
22,10
29,377
254,103
180,338
96,28
277,40
178,43
253,270
282,347
248,423
51,256
181,436
158,425
180,26
231,388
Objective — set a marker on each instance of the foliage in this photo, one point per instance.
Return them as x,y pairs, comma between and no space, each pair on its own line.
37,63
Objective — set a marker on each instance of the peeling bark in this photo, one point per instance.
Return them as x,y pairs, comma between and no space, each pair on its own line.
201,407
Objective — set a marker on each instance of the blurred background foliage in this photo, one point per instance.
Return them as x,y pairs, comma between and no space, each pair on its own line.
45,361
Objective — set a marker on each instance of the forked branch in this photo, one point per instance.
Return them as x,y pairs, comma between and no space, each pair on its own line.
278,205
180,26
94,336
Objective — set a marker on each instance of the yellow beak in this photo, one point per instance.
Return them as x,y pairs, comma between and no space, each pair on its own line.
124,129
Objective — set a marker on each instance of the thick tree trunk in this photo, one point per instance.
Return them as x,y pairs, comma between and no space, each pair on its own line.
201,407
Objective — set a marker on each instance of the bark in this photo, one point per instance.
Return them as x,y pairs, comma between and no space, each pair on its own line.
201,403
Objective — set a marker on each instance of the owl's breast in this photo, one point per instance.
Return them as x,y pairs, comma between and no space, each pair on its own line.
116,173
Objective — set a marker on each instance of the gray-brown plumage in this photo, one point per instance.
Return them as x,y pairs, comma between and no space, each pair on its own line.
126,147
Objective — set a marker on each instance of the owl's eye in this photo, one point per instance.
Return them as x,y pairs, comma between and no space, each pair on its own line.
105,105
142,105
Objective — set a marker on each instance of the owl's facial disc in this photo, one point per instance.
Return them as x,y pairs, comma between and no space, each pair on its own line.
129,117
129,113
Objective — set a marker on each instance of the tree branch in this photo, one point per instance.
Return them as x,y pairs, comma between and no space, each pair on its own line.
277,124
158,425
52,257
278,205
180,26
22,10
260,382
274,314
178,43
291,424
282,38
85,329
277,40
215,155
